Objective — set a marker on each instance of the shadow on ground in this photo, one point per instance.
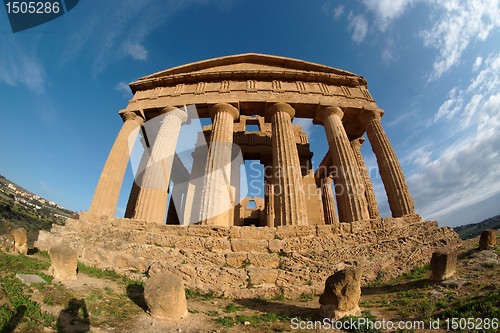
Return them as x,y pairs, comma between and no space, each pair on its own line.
75,318
136,294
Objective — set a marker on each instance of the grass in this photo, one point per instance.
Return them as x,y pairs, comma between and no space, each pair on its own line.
306,297
22,264
107,274
21,309
196,295
233,308
417,272
484,306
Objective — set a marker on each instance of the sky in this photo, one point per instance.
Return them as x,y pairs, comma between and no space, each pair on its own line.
432,65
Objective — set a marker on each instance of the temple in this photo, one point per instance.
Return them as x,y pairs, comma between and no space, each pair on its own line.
236,92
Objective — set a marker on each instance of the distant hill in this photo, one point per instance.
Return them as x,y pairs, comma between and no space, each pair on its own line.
474,229
22,208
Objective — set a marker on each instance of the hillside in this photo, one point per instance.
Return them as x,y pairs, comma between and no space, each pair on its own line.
472,230
21,208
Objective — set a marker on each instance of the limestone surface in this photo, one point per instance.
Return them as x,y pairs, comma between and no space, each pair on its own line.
443,265
165,296
342,294
63,260
488,239
20,240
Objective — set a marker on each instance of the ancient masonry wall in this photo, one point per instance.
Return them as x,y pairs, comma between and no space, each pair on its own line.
253,261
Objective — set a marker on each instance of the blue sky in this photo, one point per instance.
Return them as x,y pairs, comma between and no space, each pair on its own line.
432,65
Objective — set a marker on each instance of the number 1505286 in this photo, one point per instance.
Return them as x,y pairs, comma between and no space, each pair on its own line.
32,7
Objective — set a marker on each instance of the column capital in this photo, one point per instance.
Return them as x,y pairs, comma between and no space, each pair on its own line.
357,143
224,107
172,110
366,115
320,115
129,115
280,107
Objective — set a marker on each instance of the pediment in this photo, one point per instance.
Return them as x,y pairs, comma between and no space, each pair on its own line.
247,62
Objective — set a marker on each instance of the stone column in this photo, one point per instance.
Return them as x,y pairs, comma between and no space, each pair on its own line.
108,188
136,184
369,193
328,202
400,200
349,185
269,192
217,203
289,196
152,199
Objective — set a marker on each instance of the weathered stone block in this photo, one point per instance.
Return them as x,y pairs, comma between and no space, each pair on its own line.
289,231
488,239
165,296
443,265
276,245
342,294
236,259
263,233
63,262
260,276
20,240
265,260
249,245
207,231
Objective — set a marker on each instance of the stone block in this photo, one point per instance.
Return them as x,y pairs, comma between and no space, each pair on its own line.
263,233
165,296
264,260
249,245
207,231
488,239
20,240
276,245
324,230
6,243
63,262
236,259
260,276
288,231
342,294
443,264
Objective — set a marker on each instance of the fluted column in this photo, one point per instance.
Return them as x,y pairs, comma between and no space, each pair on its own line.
349,186
136,184
328,201
108,188
217,204
400,200
369,193
289,196
153,195
269,192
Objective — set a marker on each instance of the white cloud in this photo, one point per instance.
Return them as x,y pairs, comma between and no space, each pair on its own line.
466,172
477,63
20,68
358,26
459,24
135,50
338,12
387,10
124,89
